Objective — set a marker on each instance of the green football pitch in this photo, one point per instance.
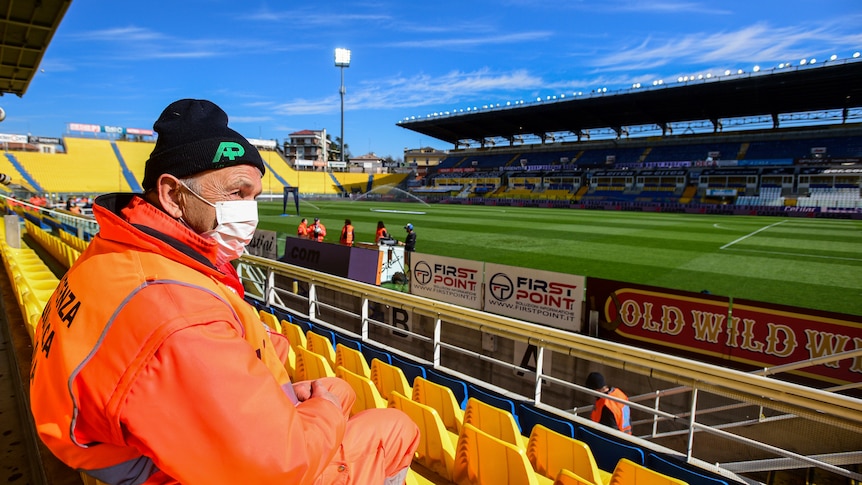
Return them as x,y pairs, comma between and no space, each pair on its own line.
803,262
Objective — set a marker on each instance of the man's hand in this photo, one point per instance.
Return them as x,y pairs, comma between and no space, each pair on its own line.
308,389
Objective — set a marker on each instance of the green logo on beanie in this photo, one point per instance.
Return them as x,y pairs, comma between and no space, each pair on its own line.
229,149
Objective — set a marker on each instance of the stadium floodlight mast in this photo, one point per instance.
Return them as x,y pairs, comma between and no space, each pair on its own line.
342,60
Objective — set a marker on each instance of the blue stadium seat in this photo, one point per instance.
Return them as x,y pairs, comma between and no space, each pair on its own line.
459,387
282,314
371,353
304,324
348,342
326,333
410,368
608,451
529,416
677,469
494,399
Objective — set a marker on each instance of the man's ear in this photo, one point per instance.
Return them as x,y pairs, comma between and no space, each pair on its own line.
168,190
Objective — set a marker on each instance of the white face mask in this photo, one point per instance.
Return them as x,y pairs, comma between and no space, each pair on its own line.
237,221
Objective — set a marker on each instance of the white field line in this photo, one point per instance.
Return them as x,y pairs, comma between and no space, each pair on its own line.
784,253
731,243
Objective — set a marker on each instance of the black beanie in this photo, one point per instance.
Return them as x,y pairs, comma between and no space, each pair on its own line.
193,138
595,381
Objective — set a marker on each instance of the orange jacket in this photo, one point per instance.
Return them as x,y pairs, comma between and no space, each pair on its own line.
346,235
302,230
381,233
321,234
149,366
620,411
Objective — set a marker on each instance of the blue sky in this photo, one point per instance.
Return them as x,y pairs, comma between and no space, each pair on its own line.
270,65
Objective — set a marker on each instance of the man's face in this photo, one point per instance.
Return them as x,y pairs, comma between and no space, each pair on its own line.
238,182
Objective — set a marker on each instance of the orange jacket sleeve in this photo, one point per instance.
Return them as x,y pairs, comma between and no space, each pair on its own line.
206,410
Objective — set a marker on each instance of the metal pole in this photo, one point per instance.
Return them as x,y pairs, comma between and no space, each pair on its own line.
342,114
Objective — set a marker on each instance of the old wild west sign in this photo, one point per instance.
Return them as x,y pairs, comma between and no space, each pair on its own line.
739,332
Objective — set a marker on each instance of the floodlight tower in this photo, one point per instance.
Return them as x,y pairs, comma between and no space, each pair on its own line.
342,60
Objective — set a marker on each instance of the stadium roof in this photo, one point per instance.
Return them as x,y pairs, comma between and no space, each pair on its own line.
26,29
832,85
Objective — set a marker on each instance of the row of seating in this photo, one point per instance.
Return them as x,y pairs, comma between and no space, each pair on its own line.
443,410
32,280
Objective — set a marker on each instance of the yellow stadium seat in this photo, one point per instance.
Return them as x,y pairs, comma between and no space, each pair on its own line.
549,452
442,400
568,477
321,345
270,320
294,334
389,378
628,472
352,360
436,445
367,395
494,421
311,366
481,459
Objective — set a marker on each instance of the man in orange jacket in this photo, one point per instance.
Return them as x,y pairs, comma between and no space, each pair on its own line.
608,411
316,231
302,229
151,368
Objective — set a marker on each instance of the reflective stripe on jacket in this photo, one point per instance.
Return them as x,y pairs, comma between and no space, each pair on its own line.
150,368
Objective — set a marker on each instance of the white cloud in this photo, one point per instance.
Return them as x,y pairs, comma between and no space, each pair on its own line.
756,43
420,90
474,41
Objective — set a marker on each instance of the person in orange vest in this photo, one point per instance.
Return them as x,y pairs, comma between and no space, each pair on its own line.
317,231
302,229
607,411
382,233
346,233
151,368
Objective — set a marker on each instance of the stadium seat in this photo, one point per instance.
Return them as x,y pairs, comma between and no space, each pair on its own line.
608,451
294,334
352,360
550,452
495,399
630,473
442,400
481,459
282,314
389,378
458,387
568,477
411,369
677,469
311,366
347,342
371,353
321,345
304,324
270,320
529,416
436,445
497,422
367,395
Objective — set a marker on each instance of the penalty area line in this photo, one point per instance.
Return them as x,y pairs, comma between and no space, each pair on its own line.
421,213
731,243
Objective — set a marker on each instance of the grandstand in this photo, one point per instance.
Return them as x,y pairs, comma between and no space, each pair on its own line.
624,151
92,166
